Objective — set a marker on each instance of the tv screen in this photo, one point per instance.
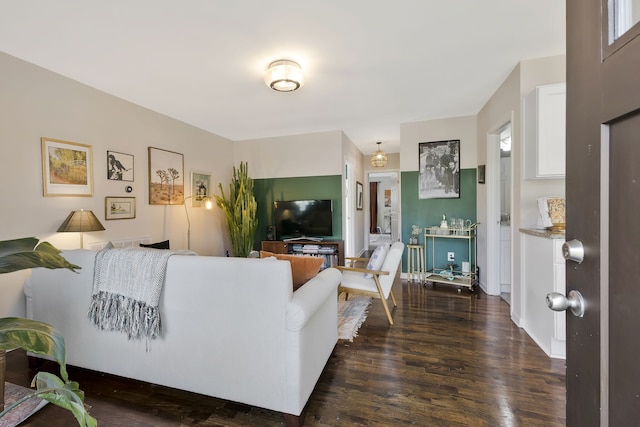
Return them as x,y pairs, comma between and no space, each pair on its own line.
303,218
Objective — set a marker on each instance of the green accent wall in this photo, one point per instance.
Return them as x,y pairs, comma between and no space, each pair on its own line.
428,212
270,190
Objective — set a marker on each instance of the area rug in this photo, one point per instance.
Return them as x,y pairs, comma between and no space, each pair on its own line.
351,314
13,393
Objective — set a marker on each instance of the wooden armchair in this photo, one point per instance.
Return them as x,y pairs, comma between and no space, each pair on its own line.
380,282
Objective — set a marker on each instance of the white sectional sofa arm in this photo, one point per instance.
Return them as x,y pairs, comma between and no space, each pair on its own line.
311,296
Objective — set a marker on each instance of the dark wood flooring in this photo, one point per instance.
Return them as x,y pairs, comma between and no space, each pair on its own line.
451,359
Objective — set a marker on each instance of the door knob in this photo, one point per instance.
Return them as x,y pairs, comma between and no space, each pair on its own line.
573,251
558,302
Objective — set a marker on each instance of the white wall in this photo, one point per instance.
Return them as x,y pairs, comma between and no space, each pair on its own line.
505,105
313,154
354,156
37,103
462,128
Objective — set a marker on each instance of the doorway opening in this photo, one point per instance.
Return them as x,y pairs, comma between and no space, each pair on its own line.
384,208
505,212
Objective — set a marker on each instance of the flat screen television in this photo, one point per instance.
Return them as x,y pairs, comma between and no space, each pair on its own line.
303,218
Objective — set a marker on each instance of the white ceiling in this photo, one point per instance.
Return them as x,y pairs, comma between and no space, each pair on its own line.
369,65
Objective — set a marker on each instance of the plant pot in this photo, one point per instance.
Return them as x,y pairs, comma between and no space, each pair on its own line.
3,367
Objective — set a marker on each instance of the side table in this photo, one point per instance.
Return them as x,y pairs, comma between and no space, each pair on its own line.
415,263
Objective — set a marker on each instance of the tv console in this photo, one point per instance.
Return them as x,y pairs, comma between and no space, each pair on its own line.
304,238
331,250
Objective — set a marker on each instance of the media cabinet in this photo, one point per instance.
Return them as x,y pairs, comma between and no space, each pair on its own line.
331,250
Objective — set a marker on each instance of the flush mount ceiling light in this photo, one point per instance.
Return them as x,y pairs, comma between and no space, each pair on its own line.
379,158
284,76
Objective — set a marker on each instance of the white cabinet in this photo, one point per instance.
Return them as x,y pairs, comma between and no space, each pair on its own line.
544,272
545,132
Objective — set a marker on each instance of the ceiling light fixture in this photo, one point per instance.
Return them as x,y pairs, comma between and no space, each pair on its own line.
379,158
284,76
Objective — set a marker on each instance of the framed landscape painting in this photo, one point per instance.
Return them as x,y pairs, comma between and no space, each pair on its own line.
119,208
439,167
166,177
67,168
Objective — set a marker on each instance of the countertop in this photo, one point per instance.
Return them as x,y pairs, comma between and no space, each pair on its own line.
547,234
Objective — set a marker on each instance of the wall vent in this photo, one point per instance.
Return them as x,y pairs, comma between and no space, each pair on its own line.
122,243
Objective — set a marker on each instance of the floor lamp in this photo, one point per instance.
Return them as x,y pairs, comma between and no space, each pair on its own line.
81,221
208,204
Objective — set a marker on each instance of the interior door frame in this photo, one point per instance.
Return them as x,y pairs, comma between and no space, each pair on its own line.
492,178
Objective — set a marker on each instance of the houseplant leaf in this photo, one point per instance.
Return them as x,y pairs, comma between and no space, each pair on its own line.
67,395
21,254
36,337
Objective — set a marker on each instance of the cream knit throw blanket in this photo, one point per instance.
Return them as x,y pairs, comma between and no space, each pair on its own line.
127,284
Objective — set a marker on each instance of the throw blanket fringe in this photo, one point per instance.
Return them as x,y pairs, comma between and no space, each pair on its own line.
114,312
127,285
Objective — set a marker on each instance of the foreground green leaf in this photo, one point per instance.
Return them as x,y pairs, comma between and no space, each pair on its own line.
66,395
36,337
22,254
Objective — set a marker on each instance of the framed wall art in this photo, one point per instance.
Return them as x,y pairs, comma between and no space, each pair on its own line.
119,166
166,177
67,168
119,208
359,196
481,173
200,188
439,169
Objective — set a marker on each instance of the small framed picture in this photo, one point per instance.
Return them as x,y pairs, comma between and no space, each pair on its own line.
119,208
359,196
119,166
481,173
200,188
67,168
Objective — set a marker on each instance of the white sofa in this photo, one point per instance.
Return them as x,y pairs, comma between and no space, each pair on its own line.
233,326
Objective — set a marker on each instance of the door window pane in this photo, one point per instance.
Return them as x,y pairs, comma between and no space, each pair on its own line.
623,14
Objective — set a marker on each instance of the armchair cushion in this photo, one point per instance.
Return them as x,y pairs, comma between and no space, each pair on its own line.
303,268
376,260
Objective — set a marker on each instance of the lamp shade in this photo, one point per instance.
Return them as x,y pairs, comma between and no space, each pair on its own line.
379,158
81,221
284,76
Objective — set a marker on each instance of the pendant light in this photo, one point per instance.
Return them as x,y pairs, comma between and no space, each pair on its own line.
379,158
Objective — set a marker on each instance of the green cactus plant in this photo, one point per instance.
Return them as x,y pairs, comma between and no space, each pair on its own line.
240,210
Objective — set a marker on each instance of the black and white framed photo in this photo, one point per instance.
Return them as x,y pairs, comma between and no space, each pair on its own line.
359,195
439,169
119,166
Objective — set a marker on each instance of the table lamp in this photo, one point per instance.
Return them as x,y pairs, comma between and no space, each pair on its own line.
81,221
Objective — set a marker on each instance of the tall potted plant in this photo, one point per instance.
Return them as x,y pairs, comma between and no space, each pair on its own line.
240,210
38,337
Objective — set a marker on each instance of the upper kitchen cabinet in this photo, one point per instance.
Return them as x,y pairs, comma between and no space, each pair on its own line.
544,132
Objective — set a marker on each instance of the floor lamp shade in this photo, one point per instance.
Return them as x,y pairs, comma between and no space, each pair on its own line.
79,222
